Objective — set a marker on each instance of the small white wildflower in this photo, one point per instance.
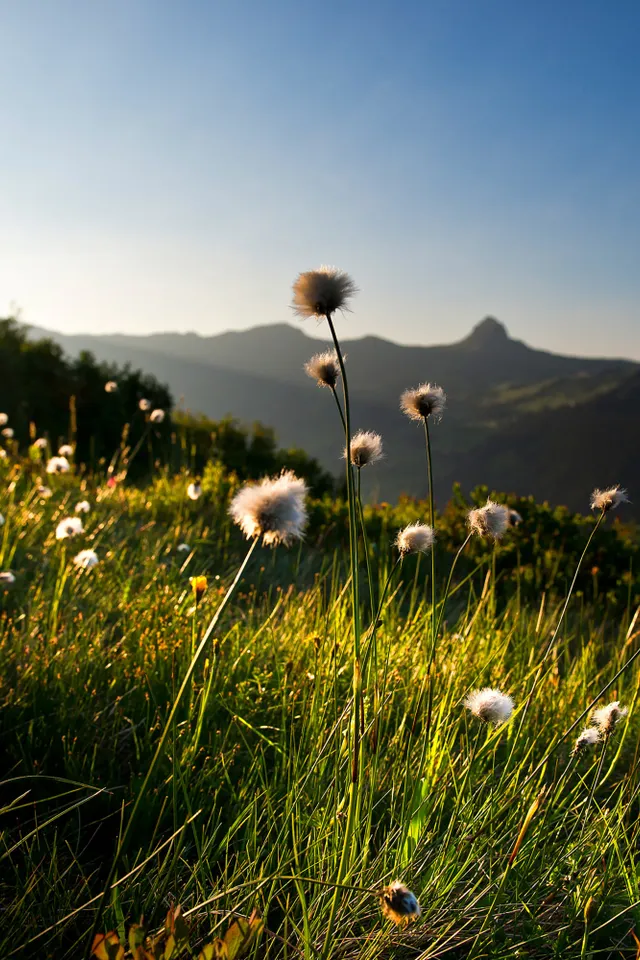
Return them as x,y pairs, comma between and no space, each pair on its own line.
4,419
399,904
492,520
111,386
183,548
324,368
156,416
366,448
7,433
194,490
58,465
83,506
40,443
319,293
415,538
86,559
606,500
606,718
490,705
144,405
425,400
66,450
7,579
69,527
273,509
588,738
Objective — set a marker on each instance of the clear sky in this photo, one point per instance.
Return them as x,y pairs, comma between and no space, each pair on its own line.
173,165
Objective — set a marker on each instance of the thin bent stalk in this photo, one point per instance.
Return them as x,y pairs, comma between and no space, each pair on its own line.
168,727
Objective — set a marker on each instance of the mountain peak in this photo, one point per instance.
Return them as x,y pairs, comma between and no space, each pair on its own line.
488,333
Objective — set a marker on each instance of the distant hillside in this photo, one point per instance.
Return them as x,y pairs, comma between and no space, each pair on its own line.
499,389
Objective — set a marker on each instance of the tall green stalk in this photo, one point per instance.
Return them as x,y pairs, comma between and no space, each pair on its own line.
431,662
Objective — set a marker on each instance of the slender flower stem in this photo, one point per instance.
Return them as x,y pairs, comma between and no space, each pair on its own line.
431,662
445,596
165,733
348,847
365,541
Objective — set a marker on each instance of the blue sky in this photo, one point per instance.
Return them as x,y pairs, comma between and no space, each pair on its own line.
173,166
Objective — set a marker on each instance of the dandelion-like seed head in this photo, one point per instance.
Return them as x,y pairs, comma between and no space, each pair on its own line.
366,448
58,465
144,404
490,705
86,559
4,419
425,400
492,520
83,506
606,500
199,587
588,738
111,386
606,718
194,490
324,368
40,443
7,578
319,293
156,416
415,538
273,509
66,450
7,433
69,527
399,904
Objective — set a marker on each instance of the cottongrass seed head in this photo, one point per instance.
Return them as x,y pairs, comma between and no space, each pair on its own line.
111,386
274,509
40,443
194,490
7,433
492,520
86,559
183,548
319,293
58,465
425,400
399,904
7,578
588,738
514,518
82,507
4,419
490,705
144,404
415,538
366,448
156,416
324,368
606,718
69,527
66,450
44,492
606,500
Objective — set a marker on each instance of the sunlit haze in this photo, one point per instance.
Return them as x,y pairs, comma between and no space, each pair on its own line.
174,166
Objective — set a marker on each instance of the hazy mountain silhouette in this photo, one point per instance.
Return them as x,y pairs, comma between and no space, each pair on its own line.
500,390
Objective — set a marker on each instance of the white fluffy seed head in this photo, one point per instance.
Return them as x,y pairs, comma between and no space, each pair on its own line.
86,559
40,443
83,506
183,548
606,718
514,518
69,527
66,450
144,404
111,386
194,490
399,904
606,500
425,400
7,578
7,433
588,738
156,416
366,448
490,705
415,538
58,465
273,509
319,293
4,419
492,520
324,368
44,492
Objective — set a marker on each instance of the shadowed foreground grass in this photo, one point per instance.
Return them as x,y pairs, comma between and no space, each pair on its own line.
247,806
